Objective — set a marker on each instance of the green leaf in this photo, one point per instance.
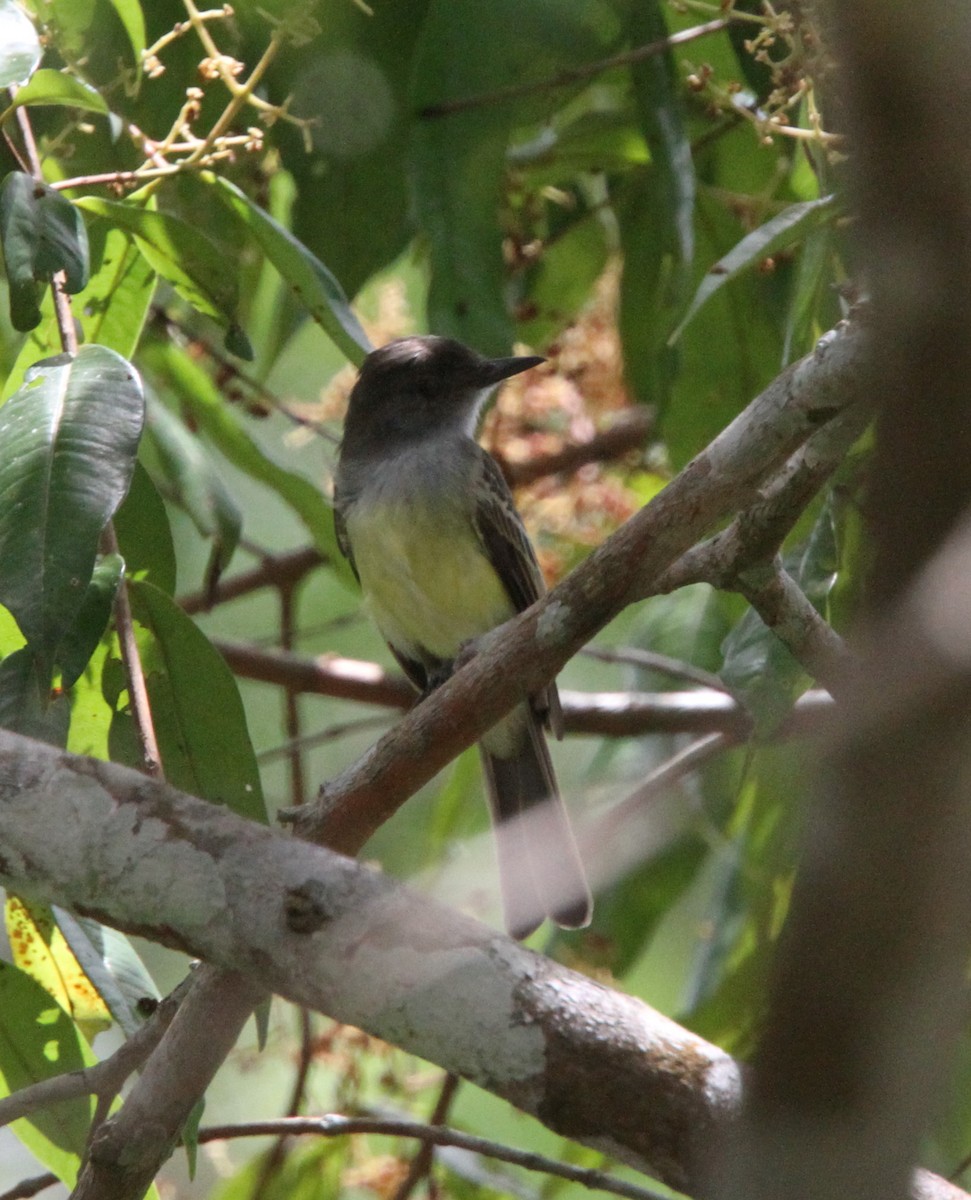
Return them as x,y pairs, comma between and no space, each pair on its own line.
458,161
54,87
220,424
777,233
20,48
110,310
144,534
729,352
81,641
69,436
39,948
131,16
90,713
115,303
314,285
37,1041
658,104
198,714
25,702
42,232
196,484
195,266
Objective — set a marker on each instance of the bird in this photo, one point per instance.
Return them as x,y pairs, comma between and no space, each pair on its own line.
430,528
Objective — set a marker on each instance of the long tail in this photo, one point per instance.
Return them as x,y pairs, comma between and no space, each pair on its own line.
540,872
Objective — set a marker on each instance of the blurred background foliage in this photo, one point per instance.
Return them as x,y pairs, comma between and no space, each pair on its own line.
664,224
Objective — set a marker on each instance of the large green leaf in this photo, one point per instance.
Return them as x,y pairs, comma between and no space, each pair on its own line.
42,232
314,285
196,708
194,265
54,87
69,439
37,1041
658,104
20,47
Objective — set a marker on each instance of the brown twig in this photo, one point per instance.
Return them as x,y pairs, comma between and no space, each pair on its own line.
628,432
141,707
273,570
335,1125
30,1187
574,74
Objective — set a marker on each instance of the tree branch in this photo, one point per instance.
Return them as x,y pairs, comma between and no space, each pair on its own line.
335,1125
327,933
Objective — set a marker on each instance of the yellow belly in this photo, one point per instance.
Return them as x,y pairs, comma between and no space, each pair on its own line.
427,582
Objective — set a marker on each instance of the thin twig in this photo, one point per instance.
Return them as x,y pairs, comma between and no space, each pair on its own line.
141,708
662,664
335,1125
629,431
575,74
273,570
30,1187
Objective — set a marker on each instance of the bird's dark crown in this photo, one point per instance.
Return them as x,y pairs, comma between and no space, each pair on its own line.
415,384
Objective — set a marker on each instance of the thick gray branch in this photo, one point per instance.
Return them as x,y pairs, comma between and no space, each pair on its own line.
325,932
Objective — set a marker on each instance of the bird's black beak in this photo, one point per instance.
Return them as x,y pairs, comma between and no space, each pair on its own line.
495,370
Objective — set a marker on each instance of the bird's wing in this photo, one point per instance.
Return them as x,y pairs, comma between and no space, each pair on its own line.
503,536
340,528
504,539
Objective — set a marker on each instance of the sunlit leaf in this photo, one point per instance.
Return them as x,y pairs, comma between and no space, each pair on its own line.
37,1041
54,87
195,266
131,16
20,48
39,949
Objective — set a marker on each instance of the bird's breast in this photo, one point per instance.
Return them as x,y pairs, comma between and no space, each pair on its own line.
422,568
